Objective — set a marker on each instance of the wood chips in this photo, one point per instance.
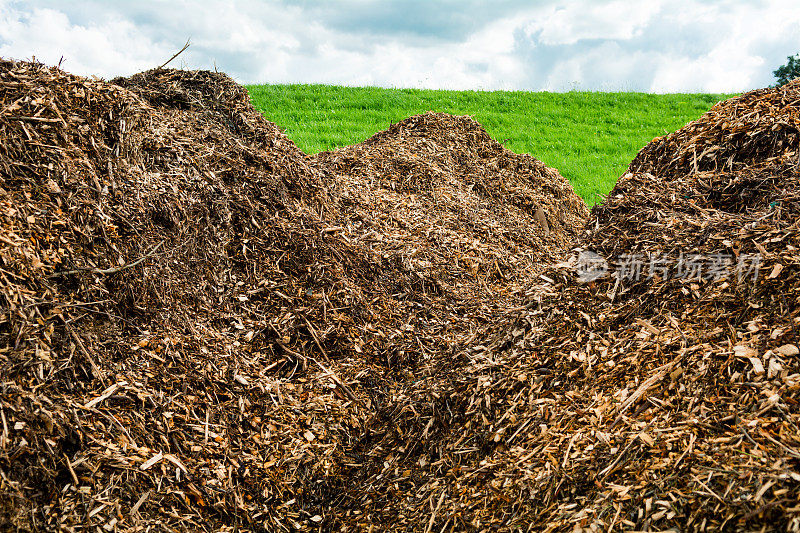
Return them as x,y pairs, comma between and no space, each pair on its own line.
204,329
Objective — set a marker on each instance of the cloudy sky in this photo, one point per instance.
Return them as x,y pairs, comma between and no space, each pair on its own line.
658,45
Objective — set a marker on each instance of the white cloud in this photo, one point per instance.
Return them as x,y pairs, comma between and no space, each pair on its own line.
664,47
692,45
100,48
734,59
582,20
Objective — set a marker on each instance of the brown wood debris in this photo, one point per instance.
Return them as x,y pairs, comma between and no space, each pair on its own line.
204,329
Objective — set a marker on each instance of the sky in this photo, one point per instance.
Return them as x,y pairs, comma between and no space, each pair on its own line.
654,46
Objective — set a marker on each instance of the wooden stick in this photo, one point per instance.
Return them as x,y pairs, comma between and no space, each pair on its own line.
84,351
179,52
71,470
112,270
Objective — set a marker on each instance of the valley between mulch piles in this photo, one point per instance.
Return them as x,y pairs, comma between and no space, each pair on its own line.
204,329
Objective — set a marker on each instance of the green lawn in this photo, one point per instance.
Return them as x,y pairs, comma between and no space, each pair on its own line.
590,137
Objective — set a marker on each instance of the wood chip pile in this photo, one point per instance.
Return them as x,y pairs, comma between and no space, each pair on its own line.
205,329
668,400
474,222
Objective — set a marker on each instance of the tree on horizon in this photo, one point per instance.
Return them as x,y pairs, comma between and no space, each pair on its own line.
789,71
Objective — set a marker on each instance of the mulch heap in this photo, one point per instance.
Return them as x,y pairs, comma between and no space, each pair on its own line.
663,400
440,198
205,329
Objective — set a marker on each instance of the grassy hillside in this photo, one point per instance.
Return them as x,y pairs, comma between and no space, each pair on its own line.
589,137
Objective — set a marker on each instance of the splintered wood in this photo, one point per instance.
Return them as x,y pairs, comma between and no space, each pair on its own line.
199,329
204,329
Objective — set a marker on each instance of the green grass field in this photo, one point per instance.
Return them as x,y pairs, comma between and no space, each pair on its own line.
589,137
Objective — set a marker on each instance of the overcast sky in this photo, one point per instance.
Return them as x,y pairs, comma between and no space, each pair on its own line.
657,45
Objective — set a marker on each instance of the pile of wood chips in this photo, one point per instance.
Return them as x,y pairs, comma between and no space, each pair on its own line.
663,398
435,196
202,328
